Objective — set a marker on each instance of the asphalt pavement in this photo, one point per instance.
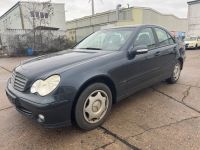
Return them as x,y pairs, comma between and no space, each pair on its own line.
164,117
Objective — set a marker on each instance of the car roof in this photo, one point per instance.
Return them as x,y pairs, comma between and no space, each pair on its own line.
134,26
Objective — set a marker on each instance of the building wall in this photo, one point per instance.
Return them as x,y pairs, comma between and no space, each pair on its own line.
136,18
85,26
170,22
128,16
18,20
11,20
56,19
194,19
14,20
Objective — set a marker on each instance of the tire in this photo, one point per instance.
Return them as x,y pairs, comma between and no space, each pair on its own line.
196,47
175,74
94,102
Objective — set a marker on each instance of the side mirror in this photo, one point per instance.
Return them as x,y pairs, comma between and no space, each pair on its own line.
137,50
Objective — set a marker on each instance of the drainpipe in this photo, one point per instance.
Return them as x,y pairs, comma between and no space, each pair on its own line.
117,11
92,7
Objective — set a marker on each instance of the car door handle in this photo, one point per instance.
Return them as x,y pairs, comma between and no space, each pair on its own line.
157,54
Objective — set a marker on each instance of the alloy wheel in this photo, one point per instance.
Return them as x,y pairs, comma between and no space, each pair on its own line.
95,106
176,72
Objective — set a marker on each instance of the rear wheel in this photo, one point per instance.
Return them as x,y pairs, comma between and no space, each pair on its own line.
175,74
93,106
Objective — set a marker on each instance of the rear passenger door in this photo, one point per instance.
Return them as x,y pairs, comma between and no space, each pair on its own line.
166,52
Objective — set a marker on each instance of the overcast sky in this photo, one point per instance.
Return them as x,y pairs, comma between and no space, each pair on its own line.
79,8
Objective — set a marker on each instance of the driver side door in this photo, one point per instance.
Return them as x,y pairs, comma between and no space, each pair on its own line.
143,69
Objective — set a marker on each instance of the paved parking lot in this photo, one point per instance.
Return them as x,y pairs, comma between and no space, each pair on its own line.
160,117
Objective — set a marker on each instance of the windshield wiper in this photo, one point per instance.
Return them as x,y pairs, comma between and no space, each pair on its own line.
92,48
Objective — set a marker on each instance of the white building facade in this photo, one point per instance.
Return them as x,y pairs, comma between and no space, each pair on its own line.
29,15
20,20
194,18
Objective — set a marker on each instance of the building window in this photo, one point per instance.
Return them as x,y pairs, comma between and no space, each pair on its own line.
46,15
32,14
41,15
37,14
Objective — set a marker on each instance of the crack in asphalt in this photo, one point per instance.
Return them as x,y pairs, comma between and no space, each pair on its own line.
105,145
188,85
174,99
106,131
6,69
186,93
166,125
6,108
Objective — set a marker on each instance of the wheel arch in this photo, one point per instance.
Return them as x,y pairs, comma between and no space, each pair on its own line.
96,79
181,61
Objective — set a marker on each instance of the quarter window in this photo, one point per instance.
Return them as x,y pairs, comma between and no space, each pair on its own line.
146,38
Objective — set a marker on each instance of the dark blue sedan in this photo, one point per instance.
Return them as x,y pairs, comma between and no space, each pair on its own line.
80,85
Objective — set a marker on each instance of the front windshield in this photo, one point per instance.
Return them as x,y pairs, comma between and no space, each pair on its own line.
110,39
191,39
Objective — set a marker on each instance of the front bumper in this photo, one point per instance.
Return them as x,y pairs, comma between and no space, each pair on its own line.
190,46
56,114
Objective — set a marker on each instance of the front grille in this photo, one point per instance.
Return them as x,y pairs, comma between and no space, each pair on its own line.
19,81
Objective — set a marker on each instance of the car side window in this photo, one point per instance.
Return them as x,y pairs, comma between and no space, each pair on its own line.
163,37
146,38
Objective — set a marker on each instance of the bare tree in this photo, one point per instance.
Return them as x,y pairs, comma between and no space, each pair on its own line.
38,15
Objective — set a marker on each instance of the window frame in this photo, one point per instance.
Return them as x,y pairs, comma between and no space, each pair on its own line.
168,35
146,27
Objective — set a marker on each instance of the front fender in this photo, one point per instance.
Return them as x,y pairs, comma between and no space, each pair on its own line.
71,85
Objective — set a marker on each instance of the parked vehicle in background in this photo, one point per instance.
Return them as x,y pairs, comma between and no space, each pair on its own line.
192,42
82,84
181,45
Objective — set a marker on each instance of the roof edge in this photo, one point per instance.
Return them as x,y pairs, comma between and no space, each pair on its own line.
113,10
10,9
193,2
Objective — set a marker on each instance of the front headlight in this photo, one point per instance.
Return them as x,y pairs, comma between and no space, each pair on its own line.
44,87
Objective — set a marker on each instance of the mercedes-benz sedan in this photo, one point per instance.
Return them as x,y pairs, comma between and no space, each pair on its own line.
81,84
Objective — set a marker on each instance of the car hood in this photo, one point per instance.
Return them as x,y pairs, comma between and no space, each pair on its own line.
65,59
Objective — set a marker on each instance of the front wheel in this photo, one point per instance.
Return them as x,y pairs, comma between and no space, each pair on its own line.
175,74
93,106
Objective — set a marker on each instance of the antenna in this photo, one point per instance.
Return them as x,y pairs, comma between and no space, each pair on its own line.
92,3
